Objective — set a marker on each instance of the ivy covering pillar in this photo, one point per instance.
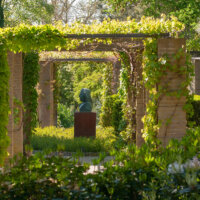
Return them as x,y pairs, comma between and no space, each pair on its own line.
171,113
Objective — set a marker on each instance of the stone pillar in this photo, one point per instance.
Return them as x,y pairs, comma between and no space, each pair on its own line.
15,126
170,110
195,86
46,99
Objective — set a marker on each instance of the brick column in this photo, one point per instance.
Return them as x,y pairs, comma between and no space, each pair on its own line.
170,110
15,126
46,100
195,87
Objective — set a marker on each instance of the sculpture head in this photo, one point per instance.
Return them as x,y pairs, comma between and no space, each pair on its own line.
85,97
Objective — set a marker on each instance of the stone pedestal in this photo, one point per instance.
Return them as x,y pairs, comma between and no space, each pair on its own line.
85,124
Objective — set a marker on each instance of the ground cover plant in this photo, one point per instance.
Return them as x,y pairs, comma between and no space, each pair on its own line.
61,139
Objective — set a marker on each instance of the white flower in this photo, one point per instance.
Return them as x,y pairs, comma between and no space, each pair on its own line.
175,168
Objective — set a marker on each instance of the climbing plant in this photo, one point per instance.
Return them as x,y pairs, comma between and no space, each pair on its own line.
30,95
154,69
106,109
24,38
4,105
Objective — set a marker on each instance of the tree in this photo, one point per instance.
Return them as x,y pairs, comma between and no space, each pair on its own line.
187,11
62,10
84,11
27,11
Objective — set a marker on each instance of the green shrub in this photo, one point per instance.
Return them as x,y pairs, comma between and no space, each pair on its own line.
195,118
63,139
112,114
65,116
133,174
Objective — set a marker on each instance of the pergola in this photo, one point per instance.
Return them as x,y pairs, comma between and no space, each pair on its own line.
170,107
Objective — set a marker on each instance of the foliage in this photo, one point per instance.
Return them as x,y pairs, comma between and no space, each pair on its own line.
88,75
154,70
1,15
187,11
112,113
127,92
106,109
45,178
111,110
195,118
27,11
4,105
27,38
65,84
65,116
47,37
30,95
63,139
194,43
133,174
72,77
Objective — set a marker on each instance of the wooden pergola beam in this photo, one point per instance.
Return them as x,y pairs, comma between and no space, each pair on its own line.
80,60
116,45
115,36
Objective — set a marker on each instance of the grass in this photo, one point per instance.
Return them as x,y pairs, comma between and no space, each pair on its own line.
60,139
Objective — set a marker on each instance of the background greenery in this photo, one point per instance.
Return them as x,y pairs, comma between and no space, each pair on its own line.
60,139
71,78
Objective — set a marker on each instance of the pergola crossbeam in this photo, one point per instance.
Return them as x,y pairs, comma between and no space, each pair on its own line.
79,60
115,36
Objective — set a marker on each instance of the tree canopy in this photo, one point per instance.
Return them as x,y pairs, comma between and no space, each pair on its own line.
187,11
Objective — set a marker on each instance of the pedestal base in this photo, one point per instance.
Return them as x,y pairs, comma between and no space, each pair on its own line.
85,124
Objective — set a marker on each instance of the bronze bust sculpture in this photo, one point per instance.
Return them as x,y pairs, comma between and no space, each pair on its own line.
85,97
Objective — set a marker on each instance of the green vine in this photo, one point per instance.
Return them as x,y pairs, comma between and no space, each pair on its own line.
30,95
127,91
154,70
4,104
106,109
